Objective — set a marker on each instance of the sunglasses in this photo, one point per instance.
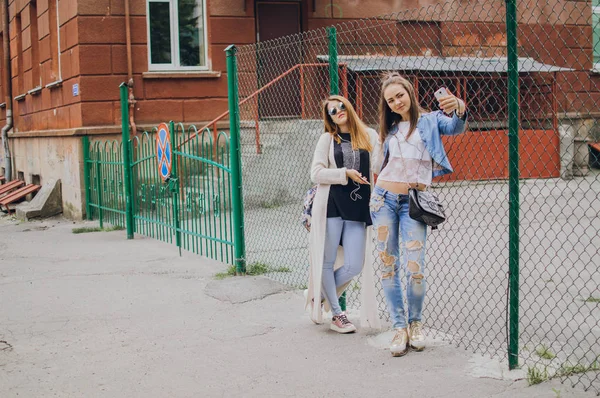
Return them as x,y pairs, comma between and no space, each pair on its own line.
333,111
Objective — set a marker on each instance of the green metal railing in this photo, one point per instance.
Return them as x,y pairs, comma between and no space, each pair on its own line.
104,182
195,208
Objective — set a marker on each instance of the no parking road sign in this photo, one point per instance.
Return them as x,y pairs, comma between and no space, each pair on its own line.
164,154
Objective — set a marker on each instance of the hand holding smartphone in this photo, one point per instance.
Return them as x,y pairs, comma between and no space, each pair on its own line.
447,102
440,93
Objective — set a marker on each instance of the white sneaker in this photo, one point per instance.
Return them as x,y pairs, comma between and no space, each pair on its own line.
417,340
341,324
399,346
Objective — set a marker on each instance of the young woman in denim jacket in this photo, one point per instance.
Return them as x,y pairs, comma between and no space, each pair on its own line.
413,154
342,168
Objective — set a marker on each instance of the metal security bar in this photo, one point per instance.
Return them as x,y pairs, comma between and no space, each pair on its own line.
513,272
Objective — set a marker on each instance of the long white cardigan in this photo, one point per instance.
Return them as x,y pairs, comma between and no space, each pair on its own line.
324,172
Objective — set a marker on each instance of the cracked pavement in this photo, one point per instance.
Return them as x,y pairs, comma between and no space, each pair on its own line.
95,315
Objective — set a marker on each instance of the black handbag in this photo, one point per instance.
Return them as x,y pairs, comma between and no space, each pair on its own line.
425,207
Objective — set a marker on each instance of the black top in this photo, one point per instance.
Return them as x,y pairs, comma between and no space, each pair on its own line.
351,201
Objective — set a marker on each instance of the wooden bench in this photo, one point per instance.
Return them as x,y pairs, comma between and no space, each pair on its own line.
17,196
9,186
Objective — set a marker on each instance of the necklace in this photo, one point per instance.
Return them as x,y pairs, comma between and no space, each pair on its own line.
354,195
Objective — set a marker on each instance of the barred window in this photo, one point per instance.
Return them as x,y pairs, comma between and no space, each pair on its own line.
177,35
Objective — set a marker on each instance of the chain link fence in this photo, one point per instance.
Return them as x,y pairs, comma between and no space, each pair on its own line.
283,82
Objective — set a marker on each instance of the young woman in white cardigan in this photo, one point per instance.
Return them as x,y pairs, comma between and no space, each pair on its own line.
342,169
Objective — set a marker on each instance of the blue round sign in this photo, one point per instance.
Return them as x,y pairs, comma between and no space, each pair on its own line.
163,151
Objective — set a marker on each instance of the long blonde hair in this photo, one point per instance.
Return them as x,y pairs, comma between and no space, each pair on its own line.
356,127
387,117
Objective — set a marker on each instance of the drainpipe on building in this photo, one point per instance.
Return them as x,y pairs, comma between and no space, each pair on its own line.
131,98
8,87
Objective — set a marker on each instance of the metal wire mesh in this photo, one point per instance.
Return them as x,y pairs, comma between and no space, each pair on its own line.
283,82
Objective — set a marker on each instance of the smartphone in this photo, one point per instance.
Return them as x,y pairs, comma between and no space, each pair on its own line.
440,93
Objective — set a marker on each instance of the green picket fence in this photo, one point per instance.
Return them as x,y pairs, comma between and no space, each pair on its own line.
193,208
104,182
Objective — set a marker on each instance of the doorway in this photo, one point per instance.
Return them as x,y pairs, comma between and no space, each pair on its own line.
275,19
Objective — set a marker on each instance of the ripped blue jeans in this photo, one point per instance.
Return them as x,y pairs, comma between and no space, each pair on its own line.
391,222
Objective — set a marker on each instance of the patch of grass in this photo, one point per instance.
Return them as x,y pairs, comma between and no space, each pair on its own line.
568,369
303,287
557,392
84,230
355,286
592,299
252,270
536,376
230,272
257,269
544,352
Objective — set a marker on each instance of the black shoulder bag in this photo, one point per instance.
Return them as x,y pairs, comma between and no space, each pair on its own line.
425,206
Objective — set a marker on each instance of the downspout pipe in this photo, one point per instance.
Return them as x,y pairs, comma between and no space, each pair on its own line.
8,89
131,97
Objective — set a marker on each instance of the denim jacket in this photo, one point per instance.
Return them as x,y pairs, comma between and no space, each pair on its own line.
431,127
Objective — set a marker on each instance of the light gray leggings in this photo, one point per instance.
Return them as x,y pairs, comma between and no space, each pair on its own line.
352,236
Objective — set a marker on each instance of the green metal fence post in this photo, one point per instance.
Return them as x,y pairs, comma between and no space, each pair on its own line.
513,174
99,188
236,162
334,78
334,89
175,185
85,143
126,161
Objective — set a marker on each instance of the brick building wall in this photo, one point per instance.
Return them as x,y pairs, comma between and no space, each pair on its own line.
82,44
93,53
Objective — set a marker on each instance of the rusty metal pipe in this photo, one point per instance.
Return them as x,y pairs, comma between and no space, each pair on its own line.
8,88
131,97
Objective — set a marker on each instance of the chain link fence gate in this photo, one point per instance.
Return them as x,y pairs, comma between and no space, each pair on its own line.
463,47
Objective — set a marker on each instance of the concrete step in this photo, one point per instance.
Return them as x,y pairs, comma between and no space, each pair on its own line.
46,203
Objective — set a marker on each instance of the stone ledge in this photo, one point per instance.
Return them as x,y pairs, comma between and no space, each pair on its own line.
182,75
74,132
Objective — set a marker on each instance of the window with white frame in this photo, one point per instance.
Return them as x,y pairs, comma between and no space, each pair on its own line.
596,33
177,35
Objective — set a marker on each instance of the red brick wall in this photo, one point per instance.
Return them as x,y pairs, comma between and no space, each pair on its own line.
50,108
93,53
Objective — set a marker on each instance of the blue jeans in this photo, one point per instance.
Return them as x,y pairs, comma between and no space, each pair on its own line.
389,213
352,235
